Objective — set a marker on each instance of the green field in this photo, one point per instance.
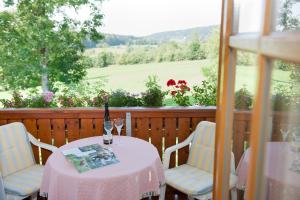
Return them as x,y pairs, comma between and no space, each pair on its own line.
132,78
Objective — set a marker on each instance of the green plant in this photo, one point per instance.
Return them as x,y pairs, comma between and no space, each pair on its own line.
34,100
245,58
153,96
105,58
211,71
71,101
205,94
17,101
281,100
180,92
98,100
243,99
133,100
44,47
121,98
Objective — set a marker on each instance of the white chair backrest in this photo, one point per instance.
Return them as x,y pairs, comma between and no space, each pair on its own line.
203,148
15,150
2,192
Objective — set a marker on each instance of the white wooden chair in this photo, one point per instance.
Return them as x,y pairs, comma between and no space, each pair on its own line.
195,178
20,176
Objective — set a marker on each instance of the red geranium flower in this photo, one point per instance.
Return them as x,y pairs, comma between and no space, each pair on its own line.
182,82
171,82
173,92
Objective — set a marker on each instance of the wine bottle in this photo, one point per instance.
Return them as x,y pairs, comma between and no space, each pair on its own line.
107,137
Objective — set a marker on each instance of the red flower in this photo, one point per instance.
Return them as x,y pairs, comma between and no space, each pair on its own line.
173,93
188,88
171,82
182,82
177,86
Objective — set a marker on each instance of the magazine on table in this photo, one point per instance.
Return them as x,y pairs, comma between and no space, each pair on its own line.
90,157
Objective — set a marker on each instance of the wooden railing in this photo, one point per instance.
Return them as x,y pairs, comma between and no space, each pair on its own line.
163,127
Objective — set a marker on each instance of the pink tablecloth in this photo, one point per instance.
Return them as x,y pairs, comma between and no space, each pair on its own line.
281,182
139,171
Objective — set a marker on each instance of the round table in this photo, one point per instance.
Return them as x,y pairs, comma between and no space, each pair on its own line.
138,174
281,181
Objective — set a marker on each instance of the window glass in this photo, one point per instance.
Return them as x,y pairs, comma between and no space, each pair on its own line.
287,15
250,15
246,76
282,164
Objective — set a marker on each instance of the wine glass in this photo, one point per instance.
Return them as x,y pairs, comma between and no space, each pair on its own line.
108,126
119,125
285,134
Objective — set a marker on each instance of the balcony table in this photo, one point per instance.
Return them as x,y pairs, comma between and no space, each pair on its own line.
281,182
138,174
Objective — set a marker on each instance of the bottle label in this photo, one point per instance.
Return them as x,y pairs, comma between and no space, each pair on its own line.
106,139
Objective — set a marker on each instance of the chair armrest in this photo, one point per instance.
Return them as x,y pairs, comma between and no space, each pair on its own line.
168,151
35,142
2,191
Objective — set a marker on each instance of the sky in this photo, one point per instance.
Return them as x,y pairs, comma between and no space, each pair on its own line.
143,17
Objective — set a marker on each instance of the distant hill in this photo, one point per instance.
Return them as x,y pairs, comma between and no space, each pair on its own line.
180,35
155,38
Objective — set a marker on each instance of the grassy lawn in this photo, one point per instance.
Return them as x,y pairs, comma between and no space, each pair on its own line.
132,78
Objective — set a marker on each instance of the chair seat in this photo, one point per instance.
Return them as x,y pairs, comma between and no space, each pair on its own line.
191,180
24,182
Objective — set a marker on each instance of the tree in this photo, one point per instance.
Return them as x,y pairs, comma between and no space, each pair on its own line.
287,21
284,95
40,41
105,58
195,49
212,44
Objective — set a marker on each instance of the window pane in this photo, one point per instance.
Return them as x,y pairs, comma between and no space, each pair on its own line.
287,15
250,15
282,166
246,76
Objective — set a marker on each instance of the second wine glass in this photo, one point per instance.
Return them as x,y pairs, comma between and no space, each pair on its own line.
119,124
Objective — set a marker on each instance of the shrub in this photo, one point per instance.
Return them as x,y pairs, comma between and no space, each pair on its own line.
211,71
87,62
195,49
243,99
206,93
17,101
212,44
245,58
105,58
34,100
44,100
98,100
121,98
133,100
153,96
180,92
71,101
281,100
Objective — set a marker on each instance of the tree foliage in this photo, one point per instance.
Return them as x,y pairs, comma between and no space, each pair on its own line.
287,21
39,38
